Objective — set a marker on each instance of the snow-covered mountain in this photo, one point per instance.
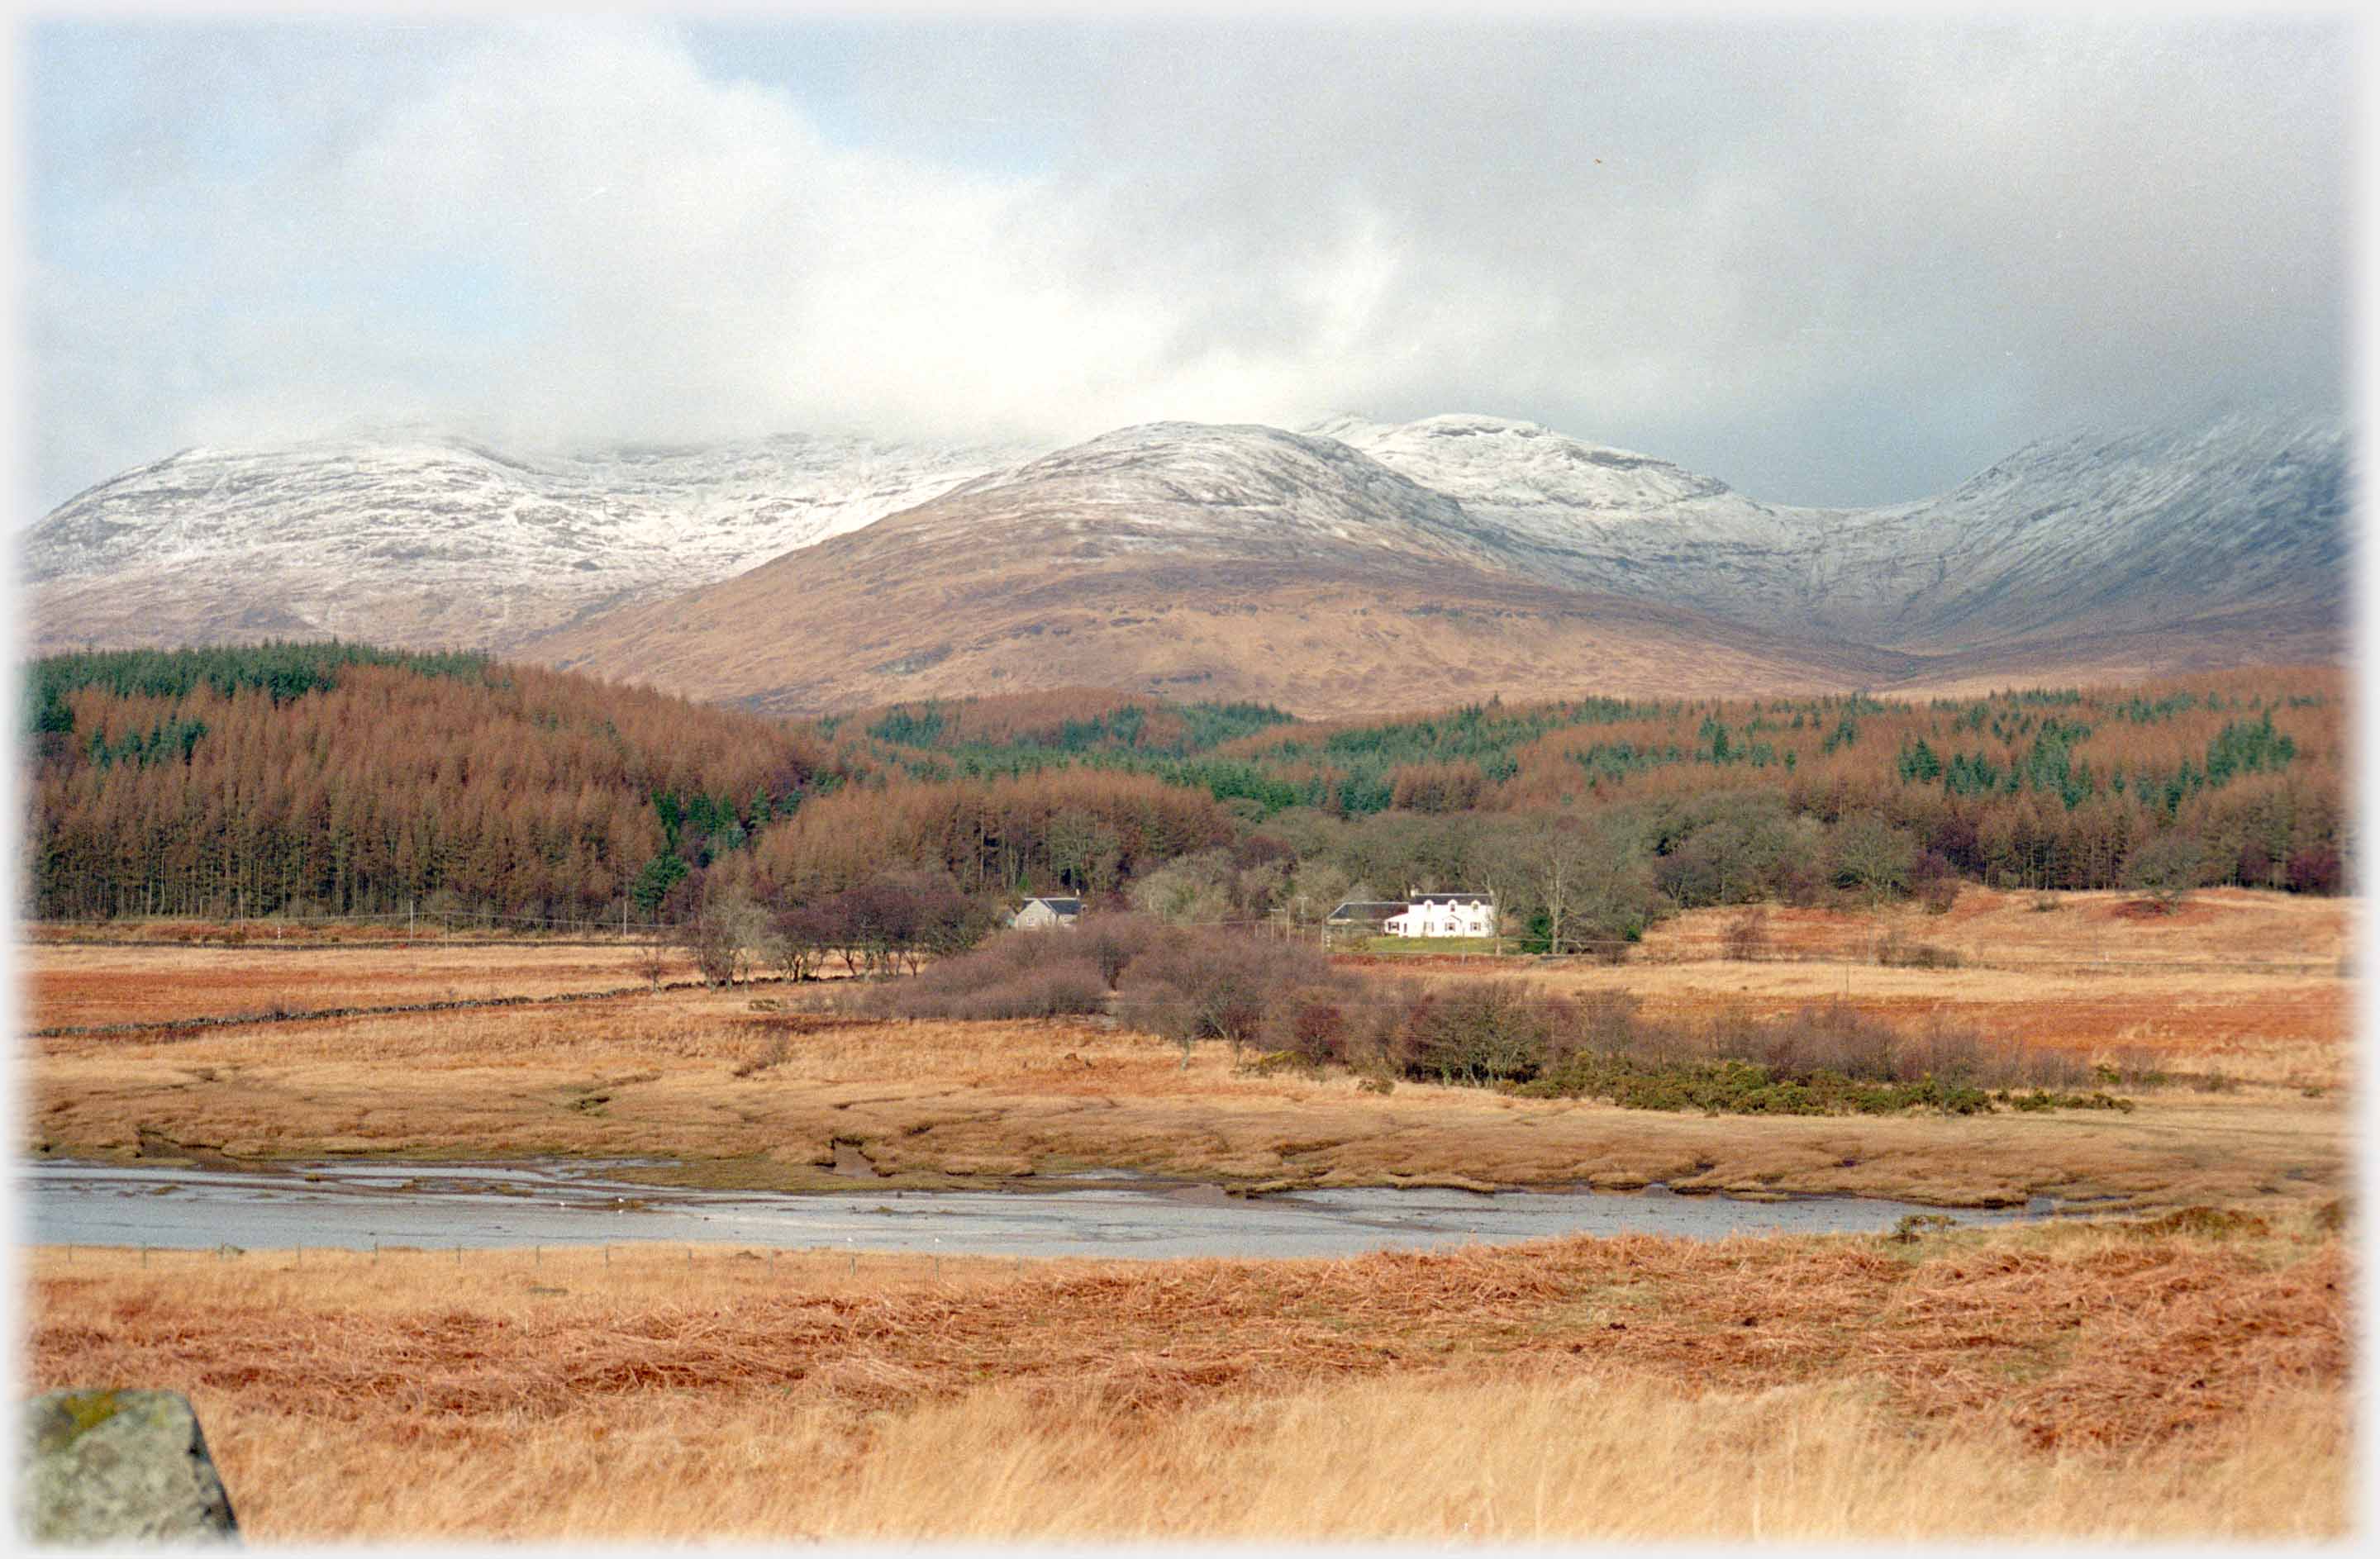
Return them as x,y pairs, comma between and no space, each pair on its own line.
1240,561
2100,554
422,539
2139,529
1189,487
2128,528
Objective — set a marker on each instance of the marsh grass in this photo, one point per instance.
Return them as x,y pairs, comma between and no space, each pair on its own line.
144,982
934,1102
2187,1381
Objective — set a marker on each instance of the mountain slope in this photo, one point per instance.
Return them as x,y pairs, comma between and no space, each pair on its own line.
1235,562
2117,532
2092,557
424,540
2240,526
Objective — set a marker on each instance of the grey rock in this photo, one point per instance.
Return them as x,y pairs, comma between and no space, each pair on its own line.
111,1466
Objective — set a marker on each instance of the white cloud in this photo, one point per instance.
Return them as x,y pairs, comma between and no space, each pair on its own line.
1846,259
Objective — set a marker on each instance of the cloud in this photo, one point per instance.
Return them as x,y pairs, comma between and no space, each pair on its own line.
1827,263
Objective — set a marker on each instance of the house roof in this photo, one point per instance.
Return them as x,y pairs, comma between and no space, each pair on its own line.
1062,906
1369,909
1453,899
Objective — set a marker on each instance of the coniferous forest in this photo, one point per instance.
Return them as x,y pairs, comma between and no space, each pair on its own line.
337,778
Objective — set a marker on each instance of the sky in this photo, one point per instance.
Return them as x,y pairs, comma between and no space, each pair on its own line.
1839,262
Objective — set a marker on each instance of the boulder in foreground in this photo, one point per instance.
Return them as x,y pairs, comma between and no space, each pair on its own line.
105,1466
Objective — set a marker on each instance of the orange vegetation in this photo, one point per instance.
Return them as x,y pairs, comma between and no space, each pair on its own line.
2096,1381
761,1098
125,982
523,788
987,833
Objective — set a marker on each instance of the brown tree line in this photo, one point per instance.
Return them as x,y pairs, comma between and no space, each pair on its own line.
2035,789
1072,830
528,793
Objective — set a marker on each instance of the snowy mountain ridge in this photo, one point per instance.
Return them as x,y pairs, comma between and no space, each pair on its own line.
430,539
2122,526
424,540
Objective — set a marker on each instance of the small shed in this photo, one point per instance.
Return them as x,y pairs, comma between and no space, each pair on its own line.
1047,912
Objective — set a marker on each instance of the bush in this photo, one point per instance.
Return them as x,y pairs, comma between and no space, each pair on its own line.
1492,1031
1821,1060
2166,868
1190,983
1029,974
1833,1036
1745,940
1198,984
1899,951
1312,1024
1934,881
1112,941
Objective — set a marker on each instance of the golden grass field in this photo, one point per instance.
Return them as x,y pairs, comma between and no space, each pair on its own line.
2068,1382
78,985
2104,1379
747,1094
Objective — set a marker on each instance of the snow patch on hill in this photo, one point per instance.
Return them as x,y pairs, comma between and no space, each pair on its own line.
404,536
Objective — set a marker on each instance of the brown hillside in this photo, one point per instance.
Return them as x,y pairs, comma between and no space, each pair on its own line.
1235,563
1250,564
811,634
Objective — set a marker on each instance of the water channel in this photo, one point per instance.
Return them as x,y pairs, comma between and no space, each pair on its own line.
439,1207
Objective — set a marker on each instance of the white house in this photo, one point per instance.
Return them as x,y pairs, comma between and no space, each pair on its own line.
1047,912
1445,914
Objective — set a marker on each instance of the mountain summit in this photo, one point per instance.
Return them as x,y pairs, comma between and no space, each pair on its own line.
417,539
1354,564
1227,561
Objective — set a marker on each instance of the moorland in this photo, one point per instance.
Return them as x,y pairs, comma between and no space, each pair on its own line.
2083,944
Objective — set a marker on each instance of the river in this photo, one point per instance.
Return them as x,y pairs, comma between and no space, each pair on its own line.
361,1206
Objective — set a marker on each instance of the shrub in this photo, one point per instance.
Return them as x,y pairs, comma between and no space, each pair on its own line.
1899,951
2166,868
1112,941
1195,984
1745,940
1492,1031
1598,1021
1027,974
1821,1060
1056,990
1311,1024
1832,1037
1939,894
